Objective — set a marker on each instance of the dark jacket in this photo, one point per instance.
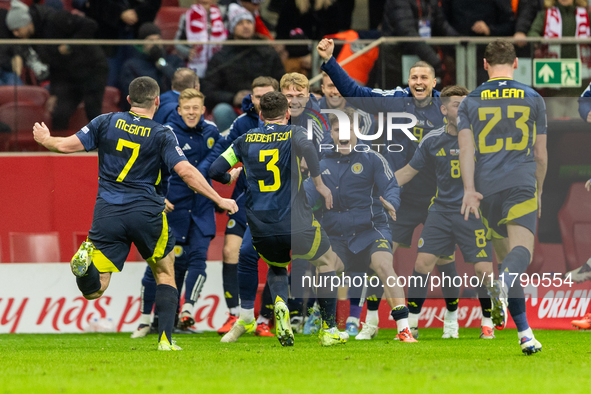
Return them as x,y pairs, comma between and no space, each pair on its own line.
315,24
83,61
142,65
234,68
7,52
169,101
197,144
526,13
107,14
401,19
356,181
497,14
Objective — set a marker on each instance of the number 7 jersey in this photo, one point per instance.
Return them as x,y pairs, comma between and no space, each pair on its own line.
131,150
505,116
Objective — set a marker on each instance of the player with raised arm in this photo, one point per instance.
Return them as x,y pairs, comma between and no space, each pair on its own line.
358,230
129,208
503,126
279,217
419,99
445,226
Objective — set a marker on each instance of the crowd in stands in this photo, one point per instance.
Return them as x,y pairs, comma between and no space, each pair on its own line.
79,74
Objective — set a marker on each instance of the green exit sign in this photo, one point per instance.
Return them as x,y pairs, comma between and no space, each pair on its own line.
557,73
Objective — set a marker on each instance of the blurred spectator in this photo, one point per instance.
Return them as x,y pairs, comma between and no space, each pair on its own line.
299,57
480,18
183,78
149,60
562,18
11,60
229,72
202,22
316,18
118,20
414,18
76,73
253,6
525,12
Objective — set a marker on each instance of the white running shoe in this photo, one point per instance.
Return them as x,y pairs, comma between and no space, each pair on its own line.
580,274
82,259
368,331
297,324
167,346
141,331
498,297
529,345
450,329
239,328
332,336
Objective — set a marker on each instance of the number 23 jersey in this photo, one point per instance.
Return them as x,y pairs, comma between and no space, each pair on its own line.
505,116
131,149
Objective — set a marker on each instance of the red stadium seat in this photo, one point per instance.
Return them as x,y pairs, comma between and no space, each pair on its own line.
21,118
575,226
26,94
111,100
110,104
167,20
170,3
34,247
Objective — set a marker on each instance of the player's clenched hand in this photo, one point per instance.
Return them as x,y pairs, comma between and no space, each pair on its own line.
325,49
40,132
588,185
229,205
471,203
168,206
234,174
325,192
389,208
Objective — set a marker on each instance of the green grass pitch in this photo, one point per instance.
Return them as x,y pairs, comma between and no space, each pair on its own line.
114,364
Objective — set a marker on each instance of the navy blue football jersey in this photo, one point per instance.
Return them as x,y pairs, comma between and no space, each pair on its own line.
439,152
275,199
505,116
131,149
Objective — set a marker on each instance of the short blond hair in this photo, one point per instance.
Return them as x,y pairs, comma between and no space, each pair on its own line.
297,80
189,94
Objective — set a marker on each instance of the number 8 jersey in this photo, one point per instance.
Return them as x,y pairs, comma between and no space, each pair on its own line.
505,116
131,150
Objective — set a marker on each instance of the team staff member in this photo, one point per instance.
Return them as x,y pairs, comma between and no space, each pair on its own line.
445,227
508,128
131,148
278,213
358,232
419,99
190,215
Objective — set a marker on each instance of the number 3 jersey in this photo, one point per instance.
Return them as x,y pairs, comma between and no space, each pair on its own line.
275,198
131,149
505,116
440,150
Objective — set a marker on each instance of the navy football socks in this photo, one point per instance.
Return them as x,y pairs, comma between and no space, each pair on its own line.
166,304
91,282
230,282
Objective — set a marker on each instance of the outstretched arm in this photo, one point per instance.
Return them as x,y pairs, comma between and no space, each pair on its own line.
193,178
364,98
69,144
405,174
